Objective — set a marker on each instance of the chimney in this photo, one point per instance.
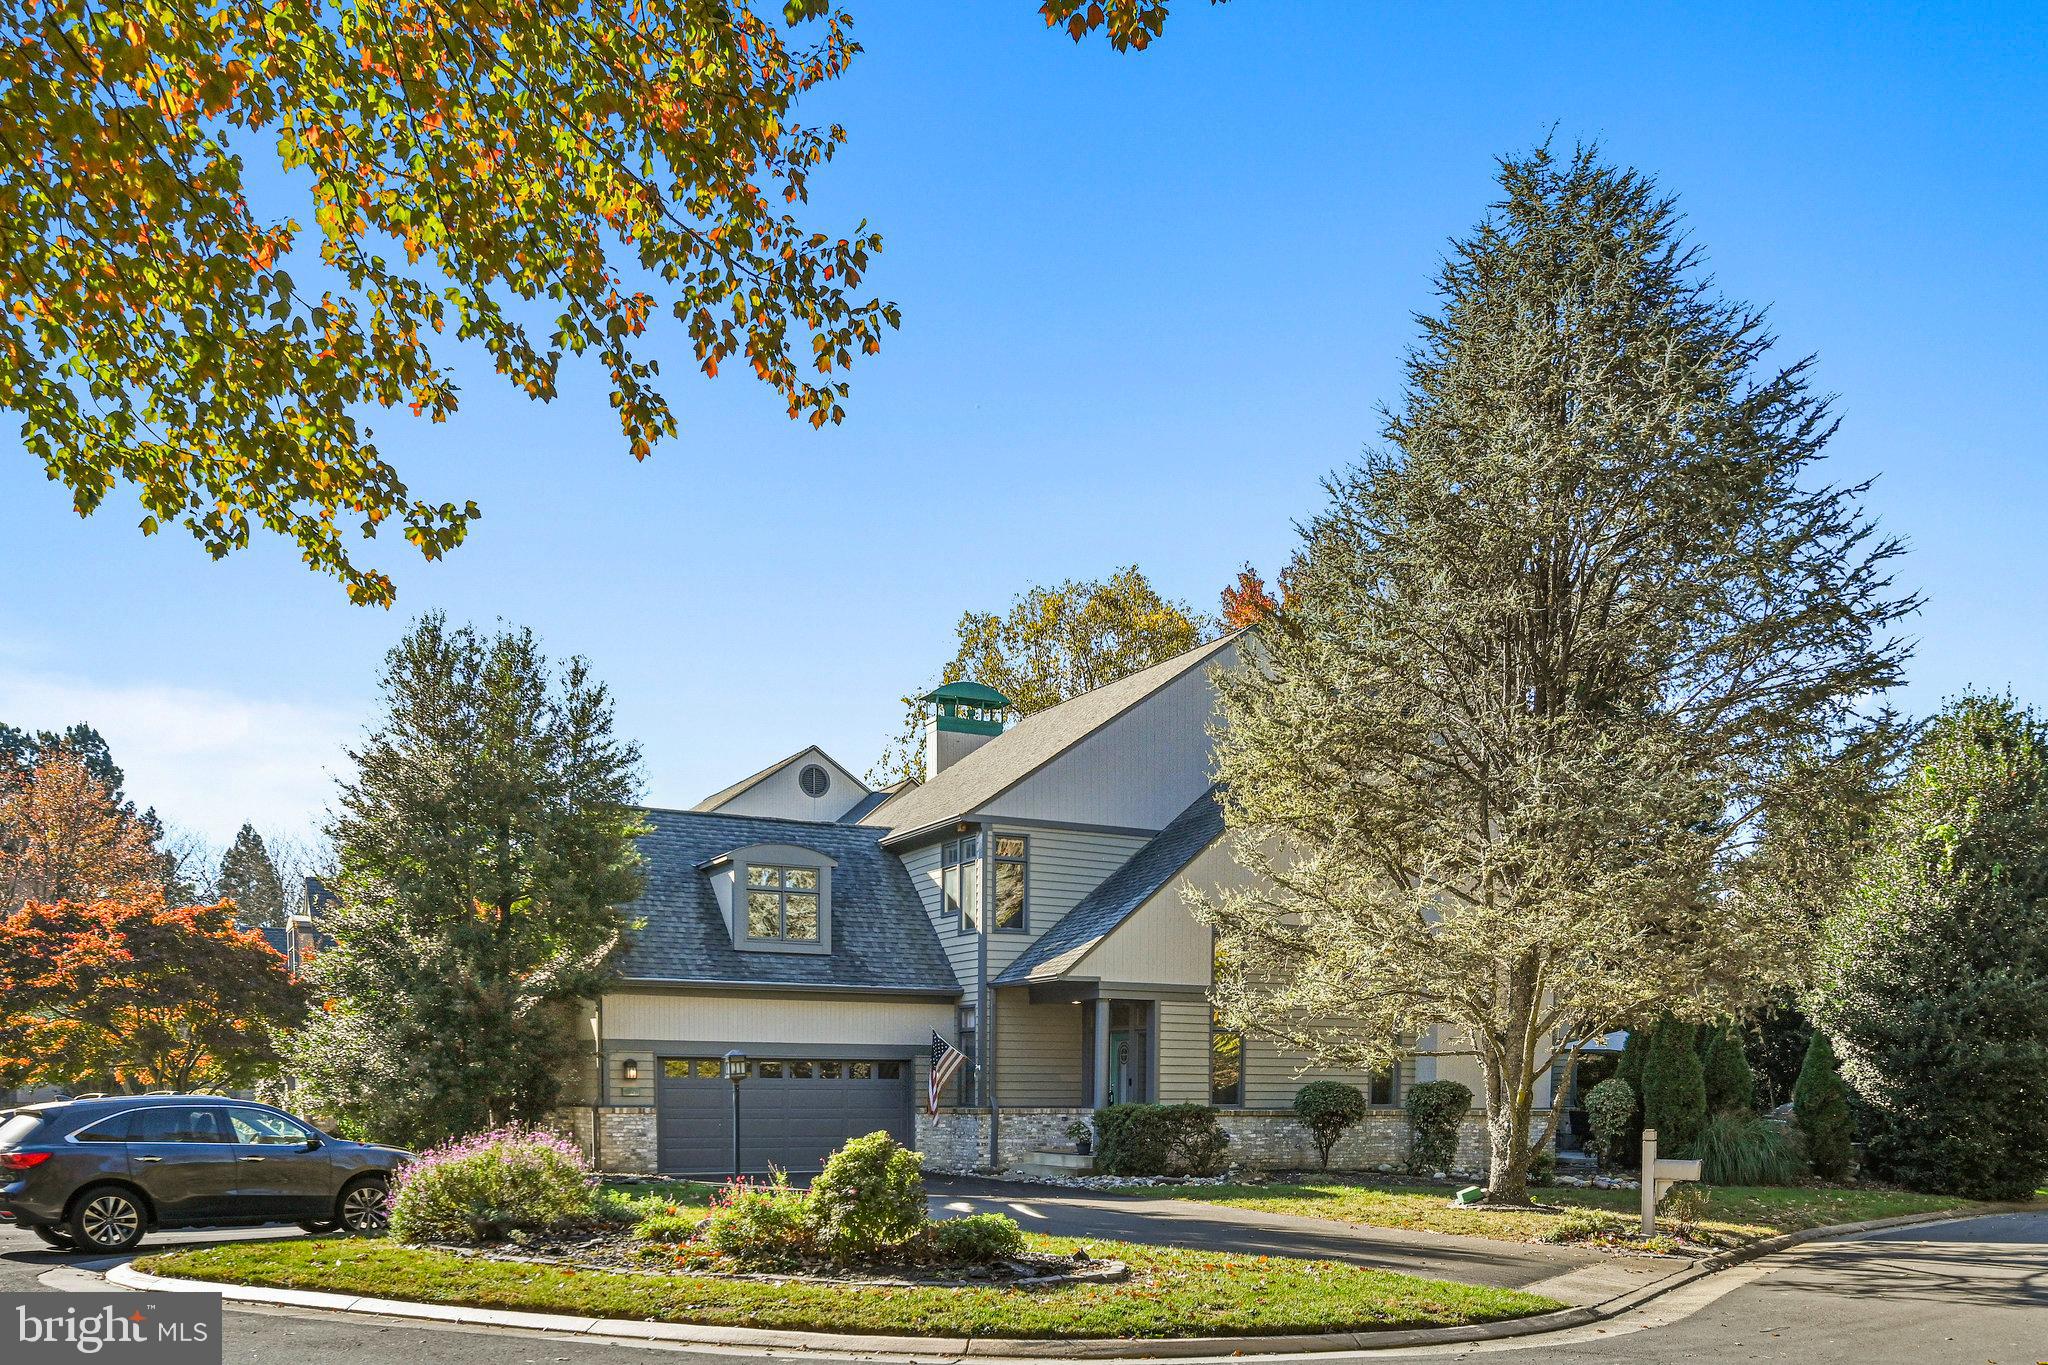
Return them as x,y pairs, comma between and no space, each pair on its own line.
964,716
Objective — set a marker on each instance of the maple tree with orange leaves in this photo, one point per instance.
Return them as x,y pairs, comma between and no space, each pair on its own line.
63,836
133,994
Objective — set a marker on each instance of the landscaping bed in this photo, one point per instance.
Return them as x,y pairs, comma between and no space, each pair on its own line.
1695,1218
1168,1292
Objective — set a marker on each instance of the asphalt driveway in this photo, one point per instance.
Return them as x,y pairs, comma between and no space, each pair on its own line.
1569,1274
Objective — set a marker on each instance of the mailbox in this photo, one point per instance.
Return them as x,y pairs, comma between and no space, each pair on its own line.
1659,1175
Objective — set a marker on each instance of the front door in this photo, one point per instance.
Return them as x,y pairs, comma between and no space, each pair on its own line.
184,1160
1130,1050
281,1169
1122,1087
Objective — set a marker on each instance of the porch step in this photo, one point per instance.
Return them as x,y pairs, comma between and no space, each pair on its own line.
1056,1164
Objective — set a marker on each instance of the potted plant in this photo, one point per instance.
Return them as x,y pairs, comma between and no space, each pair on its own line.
1082,1136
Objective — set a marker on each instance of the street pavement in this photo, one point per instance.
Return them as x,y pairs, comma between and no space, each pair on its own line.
1970,1292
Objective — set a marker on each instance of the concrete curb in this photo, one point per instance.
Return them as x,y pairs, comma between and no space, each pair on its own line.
129,1277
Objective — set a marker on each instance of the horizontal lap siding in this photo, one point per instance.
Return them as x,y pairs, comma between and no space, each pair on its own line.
1183,1052
1038,1051
688,1017
1273,1073
1065,866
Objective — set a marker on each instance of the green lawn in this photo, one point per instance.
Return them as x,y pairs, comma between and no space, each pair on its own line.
1728,1215
1171,1293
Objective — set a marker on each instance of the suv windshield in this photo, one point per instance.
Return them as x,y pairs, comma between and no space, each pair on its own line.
15,1128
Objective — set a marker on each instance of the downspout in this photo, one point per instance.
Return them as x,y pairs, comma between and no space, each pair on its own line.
597,1091
985,1004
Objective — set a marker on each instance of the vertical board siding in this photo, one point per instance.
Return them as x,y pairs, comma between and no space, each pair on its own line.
1038,1051
1183,1052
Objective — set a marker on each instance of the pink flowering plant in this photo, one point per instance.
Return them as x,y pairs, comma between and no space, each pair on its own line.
492,1186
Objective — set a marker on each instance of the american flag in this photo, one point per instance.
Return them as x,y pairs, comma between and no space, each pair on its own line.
946,1060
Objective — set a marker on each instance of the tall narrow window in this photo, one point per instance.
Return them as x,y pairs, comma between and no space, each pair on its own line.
1226,1063
1013,881
961,879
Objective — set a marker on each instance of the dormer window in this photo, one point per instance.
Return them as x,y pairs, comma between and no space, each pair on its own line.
783,903
776,898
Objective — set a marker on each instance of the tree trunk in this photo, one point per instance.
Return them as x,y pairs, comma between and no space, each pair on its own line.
1510,1098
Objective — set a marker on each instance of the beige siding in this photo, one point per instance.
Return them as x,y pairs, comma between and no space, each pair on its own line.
1065,865
781,797
1038,1051
1183,1052
1161,945
1272,1074
694,1017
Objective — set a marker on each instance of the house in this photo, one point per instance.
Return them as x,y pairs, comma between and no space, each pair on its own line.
1024,903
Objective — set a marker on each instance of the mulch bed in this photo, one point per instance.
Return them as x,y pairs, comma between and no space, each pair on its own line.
623,1253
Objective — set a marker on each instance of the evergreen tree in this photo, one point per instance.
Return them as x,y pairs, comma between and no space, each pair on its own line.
1774,1040
1934,985
1590,606
1634,1053
1730,1086
1674,1087
485,845
249,878
1820,1106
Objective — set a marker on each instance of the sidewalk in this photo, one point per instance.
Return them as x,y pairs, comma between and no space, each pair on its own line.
1571,1275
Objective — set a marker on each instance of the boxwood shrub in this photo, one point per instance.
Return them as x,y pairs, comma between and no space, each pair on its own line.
1436,1110
1159,1139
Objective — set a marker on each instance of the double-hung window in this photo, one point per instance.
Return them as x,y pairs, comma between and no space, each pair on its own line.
782,903
1013,883
960,876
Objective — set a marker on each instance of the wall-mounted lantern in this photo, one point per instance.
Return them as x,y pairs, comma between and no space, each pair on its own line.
629,1070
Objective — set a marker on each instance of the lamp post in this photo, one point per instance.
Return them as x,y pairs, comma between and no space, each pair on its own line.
735,1071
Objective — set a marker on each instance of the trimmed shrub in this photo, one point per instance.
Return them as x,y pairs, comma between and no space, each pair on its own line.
1742,1149
761,1227
1328,1109
1543,1167
1611,1111
1674,1088
1436,1110
870,1195
1159,1139
976,1239
1731,1088
487,1187
1820,1106
1634,1054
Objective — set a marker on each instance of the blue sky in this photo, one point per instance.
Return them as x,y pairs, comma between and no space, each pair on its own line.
1149,300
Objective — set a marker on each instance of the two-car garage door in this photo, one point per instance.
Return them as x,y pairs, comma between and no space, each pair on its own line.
794,1111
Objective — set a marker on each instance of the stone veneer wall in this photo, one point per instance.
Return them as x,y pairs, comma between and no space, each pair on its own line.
957,1139
628,1132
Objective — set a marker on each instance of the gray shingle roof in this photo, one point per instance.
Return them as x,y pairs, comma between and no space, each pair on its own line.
1141,877
881,937
1030,744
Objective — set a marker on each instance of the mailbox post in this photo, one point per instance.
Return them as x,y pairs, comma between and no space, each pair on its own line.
1659,1176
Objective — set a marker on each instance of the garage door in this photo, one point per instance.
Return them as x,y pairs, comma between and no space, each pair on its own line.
794,1111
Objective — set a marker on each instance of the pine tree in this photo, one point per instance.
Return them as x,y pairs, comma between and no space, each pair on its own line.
1634,1053
1674,1087
249,878
485,844
1934,985
1731,1088
1820,1106
1591,590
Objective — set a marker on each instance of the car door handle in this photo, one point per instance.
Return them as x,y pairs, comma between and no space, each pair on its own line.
248,1158
149,1158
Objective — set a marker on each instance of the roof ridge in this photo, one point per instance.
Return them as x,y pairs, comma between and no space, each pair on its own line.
763,819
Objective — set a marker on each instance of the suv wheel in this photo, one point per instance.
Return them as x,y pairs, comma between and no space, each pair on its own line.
106,1218
365,1206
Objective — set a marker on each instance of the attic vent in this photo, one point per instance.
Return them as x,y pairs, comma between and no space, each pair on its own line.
814,780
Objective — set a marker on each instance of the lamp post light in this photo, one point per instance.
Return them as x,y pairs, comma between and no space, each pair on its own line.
735,1071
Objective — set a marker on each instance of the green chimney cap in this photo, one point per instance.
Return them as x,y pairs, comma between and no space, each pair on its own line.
968,708
968,694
